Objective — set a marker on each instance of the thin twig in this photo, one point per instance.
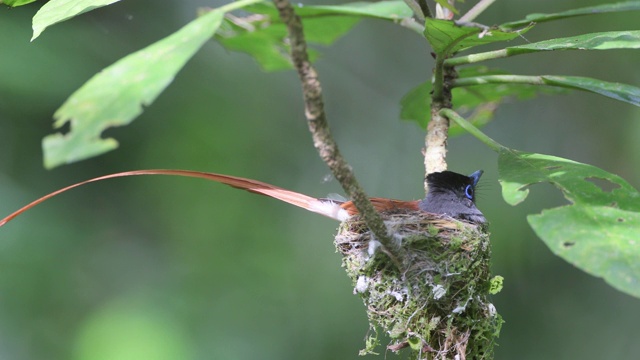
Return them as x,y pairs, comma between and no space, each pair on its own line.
478,57
476,10
322,138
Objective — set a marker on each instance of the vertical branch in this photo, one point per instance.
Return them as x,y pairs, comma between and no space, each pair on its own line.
322,138
425,8
435,156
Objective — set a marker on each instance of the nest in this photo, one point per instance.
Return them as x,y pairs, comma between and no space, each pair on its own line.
436,301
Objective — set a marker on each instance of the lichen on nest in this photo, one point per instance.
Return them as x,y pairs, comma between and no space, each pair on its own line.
437,303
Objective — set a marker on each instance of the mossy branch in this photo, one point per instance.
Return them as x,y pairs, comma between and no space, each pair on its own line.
319,128
435,156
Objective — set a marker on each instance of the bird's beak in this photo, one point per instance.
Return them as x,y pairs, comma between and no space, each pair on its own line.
476,177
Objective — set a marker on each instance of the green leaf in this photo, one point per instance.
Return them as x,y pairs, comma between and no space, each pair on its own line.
617,91
478,103
16,3
623,92
264,40
262,34
116,95
56,11
599,232
446,37
416,106
390,10
596,41
590,10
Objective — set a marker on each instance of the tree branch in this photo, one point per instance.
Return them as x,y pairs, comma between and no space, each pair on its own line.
319,128
435,156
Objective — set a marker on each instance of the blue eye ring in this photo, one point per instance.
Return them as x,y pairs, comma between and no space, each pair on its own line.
468,192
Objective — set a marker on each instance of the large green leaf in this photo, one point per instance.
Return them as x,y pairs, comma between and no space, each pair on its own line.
446,37
56,11
116,95
590,10
599,232
596,41
262,34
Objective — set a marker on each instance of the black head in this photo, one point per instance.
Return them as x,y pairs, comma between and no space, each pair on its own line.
454,195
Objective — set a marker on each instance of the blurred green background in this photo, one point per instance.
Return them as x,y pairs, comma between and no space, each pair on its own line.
175,268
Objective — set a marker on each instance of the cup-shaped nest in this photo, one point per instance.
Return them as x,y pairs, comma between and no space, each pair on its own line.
433,299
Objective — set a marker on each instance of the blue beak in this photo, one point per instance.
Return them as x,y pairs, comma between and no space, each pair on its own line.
476,177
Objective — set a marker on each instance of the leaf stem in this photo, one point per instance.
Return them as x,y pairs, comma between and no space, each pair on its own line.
499,79
452,115
474,58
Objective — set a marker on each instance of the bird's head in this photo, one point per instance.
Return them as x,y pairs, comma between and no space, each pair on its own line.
454,195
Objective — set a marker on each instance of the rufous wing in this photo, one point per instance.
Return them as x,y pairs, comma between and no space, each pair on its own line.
383,205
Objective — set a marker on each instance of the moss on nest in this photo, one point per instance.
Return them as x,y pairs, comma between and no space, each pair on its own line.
437,304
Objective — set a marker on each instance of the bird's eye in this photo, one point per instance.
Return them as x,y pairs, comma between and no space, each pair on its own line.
468,192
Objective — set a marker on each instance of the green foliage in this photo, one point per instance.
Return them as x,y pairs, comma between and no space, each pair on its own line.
590,10
446,37
595,41
496,284
262,34
115,96
622,92
478,104
479,91
56,11
15,3
616,91
598,232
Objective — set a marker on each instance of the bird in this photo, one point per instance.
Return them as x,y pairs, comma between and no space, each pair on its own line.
450,194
